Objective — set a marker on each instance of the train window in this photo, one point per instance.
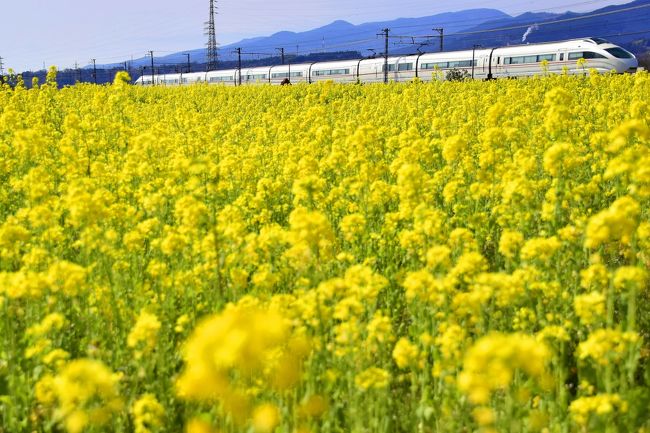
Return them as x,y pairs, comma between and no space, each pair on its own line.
332,72
219,79
561,57
461,64
286,74
547,57
405,67
256,77
438,65
529,59
513,60
619,53
592,55
585,55
391,68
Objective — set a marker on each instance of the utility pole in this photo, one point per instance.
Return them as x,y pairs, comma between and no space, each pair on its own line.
153,77
474,47
384,33
281,50
212,40
189,68
94,70
441,32
238,51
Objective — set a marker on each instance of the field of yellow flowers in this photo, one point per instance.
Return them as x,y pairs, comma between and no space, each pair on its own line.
441,257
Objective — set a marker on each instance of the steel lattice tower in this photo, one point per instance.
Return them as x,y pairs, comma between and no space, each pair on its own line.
212,40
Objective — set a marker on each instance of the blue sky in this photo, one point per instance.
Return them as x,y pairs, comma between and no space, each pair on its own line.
37,32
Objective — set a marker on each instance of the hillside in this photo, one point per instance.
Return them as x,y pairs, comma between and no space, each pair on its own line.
625,24
340,36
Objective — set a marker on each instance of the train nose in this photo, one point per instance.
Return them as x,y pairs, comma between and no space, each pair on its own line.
632,65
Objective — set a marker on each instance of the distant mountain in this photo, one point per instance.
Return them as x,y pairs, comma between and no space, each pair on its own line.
627,25
339,36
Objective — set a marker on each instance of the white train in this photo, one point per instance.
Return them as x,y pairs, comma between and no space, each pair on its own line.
512,61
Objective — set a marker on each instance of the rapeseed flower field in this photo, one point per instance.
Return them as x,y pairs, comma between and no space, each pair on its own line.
439,257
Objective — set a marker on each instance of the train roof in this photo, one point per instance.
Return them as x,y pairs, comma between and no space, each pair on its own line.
590,40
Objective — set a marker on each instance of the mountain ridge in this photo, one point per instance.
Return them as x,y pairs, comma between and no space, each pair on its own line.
462,30
312,40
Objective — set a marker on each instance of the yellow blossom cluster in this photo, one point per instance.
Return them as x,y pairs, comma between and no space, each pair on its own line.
84,393
492,362
432,257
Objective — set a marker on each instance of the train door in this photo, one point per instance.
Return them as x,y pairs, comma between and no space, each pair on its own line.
562,60
499,68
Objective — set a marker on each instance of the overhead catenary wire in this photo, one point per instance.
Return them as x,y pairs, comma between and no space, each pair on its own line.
519,26
339,37
546,23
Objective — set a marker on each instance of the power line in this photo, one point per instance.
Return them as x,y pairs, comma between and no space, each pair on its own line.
521,26
525,26
481,21
640,32
564,20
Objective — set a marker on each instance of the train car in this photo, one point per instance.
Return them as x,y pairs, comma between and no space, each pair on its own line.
371,70
227,77
192,78
294,73
504,62
435,66
399,69
343,71
527,60
258,75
